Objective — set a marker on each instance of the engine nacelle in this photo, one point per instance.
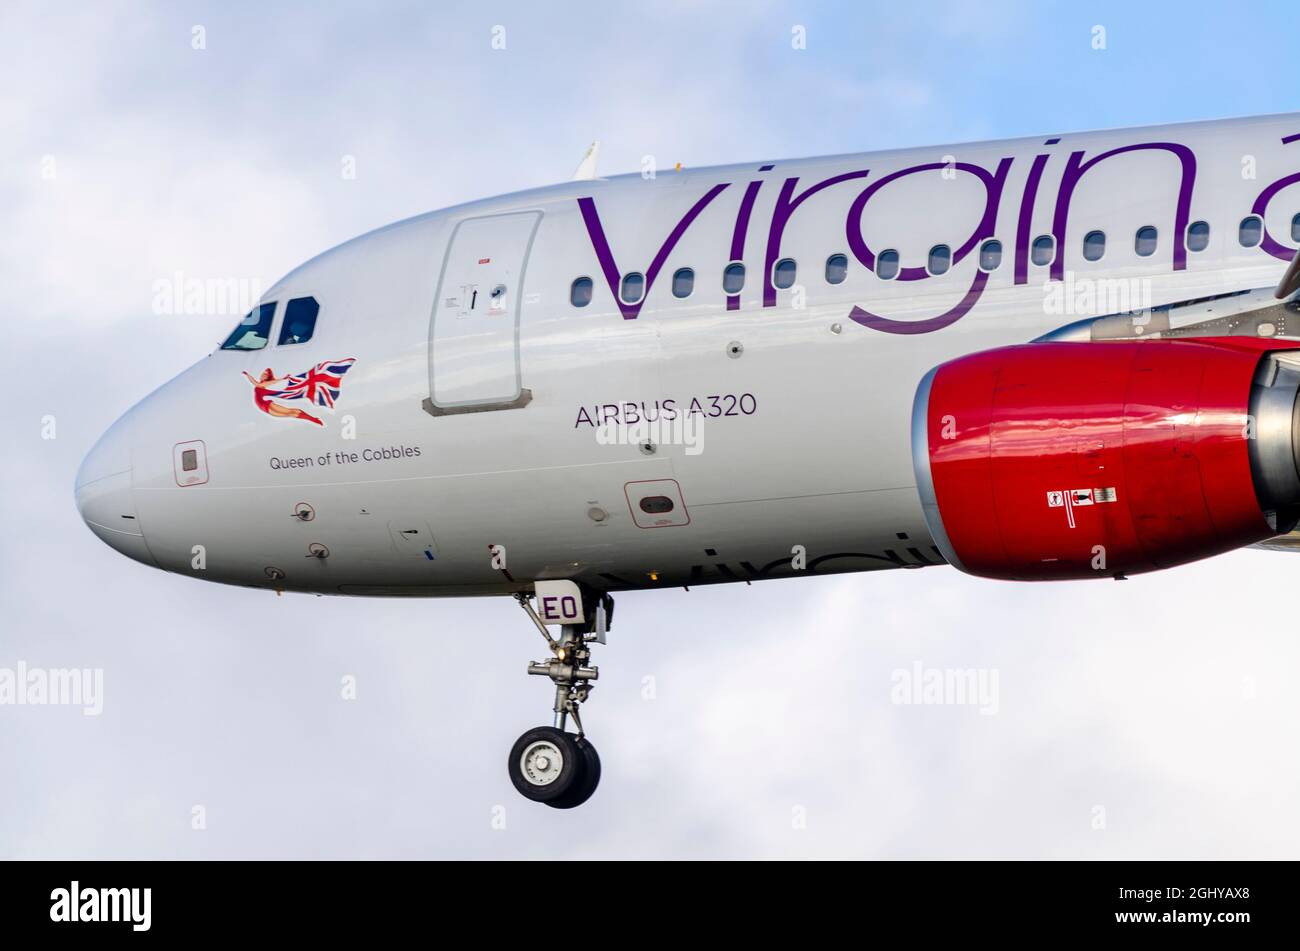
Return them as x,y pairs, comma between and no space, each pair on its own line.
1053,461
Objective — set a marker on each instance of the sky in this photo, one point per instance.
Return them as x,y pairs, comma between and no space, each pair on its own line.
1153,718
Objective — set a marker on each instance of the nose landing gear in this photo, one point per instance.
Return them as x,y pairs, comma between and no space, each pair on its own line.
548,764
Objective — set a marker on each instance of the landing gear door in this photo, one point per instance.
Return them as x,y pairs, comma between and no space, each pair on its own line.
474,333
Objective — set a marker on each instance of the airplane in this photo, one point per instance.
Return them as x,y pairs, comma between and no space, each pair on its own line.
1058,357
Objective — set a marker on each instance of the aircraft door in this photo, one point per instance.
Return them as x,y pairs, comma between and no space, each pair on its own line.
474,333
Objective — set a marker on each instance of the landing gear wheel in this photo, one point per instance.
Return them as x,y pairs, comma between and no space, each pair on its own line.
586,783
546,763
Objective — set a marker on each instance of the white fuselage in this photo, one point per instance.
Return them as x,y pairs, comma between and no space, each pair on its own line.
475,427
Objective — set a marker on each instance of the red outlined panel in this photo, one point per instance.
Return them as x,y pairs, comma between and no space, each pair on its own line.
656,503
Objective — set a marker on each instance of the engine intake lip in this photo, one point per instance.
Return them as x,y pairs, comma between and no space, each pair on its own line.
921,468
1275,442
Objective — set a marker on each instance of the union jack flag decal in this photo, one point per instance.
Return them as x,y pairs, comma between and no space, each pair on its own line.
320,384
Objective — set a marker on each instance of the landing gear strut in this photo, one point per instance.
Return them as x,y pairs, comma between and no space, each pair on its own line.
548,764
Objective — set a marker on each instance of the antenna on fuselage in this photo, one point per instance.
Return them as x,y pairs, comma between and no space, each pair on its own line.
586,169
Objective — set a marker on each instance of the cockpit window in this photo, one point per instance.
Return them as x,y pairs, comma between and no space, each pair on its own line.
253,331
299,320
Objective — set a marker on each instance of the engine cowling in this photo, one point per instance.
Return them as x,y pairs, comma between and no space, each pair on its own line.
1055,461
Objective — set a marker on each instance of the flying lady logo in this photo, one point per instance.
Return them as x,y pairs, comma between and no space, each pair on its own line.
319,385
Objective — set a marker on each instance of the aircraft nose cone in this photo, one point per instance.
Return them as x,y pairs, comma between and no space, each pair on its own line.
104,494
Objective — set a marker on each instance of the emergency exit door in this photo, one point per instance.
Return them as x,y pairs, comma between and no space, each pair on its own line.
474,335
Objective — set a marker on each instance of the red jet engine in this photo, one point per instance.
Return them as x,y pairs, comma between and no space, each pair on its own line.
1054,460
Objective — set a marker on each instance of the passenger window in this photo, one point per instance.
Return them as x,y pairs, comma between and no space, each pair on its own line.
1043,250
783,273
253,331
1094,245
1198,236
837,269
887,265
299,320
1145,241
1295,228
733,278
683,282
633,287
580,292
1251,231
939,260
990,255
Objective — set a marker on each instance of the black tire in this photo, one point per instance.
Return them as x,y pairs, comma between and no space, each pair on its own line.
552,782
586,783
